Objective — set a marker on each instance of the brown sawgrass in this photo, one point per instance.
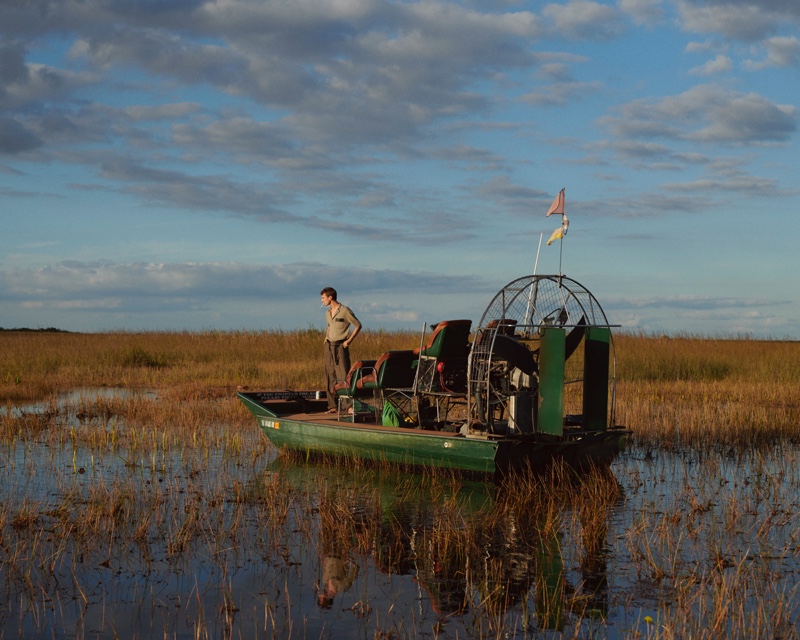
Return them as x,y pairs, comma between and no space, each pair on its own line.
702,392
34,365
145,484
673,392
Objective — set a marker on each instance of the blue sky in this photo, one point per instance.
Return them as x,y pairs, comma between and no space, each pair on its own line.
212,165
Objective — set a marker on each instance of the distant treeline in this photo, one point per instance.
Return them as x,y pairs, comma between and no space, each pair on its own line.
48,330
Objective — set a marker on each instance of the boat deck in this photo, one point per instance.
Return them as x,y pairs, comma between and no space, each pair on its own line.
326,418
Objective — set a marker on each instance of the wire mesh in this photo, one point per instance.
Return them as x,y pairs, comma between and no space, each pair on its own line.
521,309
534,301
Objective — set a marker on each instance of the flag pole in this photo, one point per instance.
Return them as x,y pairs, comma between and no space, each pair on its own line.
528,311
559,206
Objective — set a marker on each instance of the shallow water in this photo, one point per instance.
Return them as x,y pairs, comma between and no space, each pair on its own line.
206,544
78,396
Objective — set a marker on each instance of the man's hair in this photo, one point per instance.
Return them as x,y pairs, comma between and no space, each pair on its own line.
328,291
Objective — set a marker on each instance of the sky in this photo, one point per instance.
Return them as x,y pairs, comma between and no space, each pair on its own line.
212,165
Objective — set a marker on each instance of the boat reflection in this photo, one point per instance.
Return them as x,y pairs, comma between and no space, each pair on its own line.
468,546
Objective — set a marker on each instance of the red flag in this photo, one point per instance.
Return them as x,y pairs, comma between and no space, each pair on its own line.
558,204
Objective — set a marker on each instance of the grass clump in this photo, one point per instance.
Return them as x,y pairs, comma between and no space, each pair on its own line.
137,356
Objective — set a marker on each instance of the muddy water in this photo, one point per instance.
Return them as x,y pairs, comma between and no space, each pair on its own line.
186,544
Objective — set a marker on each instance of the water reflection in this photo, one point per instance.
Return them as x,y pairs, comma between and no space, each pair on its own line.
105,536
467,546
201,543
81,397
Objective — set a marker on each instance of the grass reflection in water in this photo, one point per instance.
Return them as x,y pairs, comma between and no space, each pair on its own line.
104,539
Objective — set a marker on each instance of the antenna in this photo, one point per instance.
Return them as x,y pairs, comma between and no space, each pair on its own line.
536,264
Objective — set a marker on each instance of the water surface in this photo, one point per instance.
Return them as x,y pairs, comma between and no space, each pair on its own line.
187,542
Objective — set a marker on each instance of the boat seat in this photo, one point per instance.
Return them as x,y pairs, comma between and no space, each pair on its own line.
505,326
393,370
449,338
499,327
347,390
443,359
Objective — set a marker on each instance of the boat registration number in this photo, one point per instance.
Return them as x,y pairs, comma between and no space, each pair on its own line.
270,424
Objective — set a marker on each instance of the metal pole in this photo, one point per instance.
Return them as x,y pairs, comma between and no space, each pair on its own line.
536,264
528,311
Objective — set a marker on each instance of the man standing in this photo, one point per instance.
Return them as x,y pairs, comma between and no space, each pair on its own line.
338,337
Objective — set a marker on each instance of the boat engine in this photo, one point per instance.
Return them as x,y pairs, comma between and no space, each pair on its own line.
540,360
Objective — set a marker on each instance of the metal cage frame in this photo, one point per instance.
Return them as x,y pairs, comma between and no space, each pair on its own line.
524,307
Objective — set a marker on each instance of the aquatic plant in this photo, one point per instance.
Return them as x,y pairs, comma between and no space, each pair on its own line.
149,494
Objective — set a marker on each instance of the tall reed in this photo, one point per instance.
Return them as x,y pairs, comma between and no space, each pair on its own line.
34,365
702,392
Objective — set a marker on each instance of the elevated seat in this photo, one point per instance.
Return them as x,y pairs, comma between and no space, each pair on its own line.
392,370
449,338
504,326
443,359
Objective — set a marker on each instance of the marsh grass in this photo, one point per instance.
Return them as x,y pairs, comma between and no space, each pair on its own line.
716,551
126,498
675,393
682,393
34,365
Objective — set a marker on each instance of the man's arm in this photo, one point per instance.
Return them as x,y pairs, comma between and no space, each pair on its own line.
353,334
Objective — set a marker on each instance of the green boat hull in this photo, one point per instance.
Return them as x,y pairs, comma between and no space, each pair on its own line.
299,424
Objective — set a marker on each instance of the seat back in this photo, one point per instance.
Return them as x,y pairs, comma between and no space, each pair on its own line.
396,370
450,338
505,326
350,385
393,370
500,327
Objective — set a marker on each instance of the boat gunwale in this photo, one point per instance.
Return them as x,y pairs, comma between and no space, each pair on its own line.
321,419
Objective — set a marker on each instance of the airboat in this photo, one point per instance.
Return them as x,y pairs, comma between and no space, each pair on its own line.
535,382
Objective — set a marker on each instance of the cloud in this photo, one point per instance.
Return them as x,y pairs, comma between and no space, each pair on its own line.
648,12
512,197
315,93
557,86
745,20
374,72
202,193
706,113
646,205
196,294
15,137
104,280
23,84
693,302
781,52
168,111
739,183
561,93
247,139
720,64
585,20
702,315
